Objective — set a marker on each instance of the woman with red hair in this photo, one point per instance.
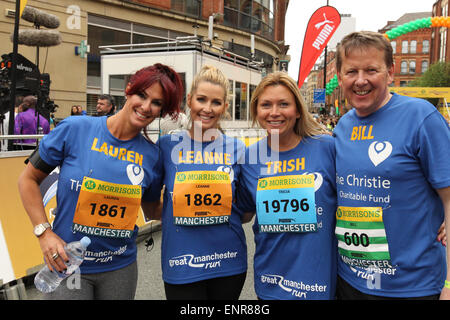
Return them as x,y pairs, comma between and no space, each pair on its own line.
108,169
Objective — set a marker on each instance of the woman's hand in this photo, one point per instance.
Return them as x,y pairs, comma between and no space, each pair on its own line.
441,236
52,247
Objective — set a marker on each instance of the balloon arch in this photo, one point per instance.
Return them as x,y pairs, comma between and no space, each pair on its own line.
429,22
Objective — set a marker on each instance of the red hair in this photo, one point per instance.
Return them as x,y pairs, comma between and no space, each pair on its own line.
168,79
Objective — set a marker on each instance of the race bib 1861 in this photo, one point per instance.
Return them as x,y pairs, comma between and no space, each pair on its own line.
286,204
202,198
362,236
107,209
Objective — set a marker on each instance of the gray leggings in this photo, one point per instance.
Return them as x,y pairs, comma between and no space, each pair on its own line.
112,285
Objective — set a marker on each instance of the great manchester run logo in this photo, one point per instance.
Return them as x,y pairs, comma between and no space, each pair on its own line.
209,261
295,288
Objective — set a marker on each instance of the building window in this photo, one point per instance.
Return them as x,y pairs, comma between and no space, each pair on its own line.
189,7
425,46
413,46
394,46
412,67
405,46
253,16
240,101
424,66
244,51
404,67
443,44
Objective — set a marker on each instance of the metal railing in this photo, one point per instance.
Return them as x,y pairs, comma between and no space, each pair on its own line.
21,136
203,45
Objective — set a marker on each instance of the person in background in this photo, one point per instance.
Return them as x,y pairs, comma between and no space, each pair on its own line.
108,170
288,179
4,122
29,122
76,110
203,249
393,178
105,105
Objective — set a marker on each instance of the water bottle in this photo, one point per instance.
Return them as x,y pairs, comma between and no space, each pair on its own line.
47,281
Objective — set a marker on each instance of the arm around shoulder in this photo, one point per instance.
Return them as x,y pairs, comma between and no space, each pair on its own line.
444,194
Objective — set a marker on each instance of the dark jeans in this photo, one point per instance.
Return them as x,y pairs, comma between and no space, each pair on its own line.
345,291
223,288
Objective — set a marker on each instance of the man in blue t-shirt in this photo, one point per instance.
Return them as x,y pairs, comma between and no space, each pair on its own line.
393,178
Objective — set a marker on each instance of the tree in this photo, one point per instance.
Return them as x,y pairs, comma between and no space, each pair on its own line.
438,75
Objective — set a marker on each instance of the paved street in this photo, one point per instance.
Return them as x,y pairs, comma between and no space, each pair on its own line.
150,284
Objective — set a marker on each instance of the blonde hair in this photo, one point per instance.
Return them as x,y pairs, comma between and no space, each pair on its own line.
213,75
305,126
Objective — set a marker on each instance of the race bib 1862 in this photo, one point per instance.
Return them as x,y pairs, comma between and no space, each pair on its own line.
286,204
202,198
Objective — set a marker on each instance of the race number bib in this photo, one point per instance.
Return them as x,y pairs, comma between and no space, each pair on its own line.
107,209
202,198
286,204
362,236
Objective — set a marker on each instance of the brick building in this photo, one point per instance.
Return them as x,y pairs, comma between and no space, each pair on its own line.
440,44
411,50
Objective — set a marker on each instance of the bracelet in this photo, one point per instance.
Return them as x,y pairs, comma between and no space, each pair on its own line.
447,284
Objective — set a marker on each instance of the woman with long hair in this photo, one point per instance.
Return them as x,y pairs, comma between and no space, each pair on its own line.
204,253
288,180
108,169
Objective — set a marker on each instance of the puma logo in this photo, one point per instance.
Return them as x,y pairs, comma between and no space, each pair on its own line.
320,24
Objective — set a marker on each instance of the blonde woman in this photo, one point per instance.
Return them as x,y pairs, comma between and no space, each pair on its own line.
204,253
288,180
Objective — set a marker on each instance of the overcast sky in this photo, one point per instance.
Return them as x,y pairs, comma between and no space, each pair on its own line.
370,15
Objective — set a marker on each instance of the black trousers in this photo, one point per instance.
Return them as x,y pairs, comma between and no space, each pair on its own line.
345,291
223,288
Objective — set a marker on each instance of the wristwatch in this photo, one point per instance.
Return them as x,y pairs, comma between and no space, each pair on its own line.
40,229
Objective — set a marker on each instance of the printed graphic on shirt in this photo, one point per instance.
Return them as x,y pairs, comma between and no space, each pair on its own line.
379,151
116,152
104,256
297,289
362,133
204,157
210,261
136,174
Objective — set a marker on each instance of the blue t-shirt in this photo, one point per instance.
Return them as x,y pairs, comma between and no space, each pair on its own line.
388,166
294,196
114,170
202,235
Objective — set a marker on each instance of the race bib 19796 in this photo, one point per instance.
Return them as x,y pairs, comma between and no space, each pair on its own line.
286,204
